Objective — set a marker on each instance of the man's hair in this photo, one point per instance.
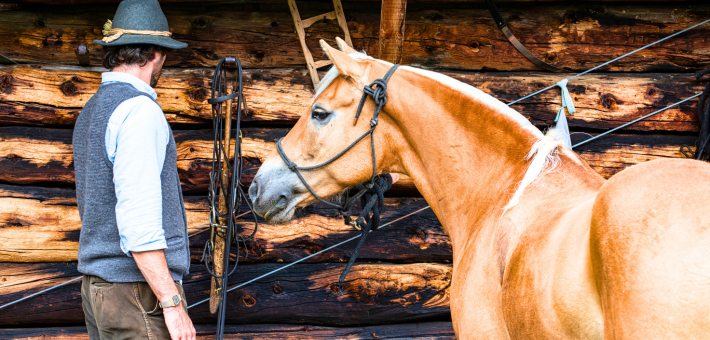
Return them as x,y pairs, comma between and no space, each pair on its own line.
131,55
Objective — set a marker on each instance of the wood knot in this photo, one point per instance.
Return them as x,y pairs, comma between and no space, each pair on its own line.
651,92
274,24
277,289
551,57
6,84
198,95
609,101
474,45
69,89
13,157
200,23
569,17
249,300
435,16
335,289
259,54
39,23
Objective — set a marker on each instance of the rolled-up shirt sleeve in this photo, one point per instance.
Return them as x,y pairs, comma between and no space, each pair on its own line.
141,142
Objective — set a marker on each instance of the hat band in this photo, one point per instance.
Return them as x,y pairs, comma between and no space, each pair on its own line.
116,33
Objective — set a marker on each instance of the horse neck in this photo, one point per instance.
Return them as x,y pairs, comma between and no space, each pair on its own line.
464,150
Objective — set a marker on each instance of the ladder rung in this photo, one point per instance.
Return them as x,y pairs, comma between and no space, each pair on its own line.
321,63
310,21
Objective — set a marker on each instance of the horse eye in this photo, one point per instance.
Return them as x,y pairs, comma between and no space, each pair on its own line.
319,113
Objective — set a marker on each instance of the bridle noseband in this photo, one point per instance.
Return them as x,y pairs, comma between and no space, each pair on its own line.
372,191
378,91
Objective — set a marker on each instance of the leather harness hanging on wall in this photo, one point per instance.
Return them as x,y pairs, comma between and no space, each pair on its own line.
503,26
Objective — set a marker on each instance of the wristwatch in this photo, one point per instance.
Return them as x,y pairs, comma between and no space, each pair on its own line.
174,301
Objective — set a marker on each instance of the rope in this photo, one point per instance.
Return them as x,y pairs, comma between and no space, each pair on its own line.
309,256
111,34
636,120
611,61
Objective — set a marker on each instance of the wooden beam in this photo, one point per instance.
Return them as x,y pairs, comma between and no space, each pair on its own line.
42,225
568,35
40,156
55,94
391,35
303,294
441,330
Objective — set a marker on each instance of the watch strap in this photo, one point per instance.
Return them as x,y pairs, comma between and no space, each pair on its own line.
174,301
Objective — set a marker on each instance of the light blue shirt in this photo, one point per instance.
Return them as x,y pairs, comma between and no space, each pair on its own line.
136,140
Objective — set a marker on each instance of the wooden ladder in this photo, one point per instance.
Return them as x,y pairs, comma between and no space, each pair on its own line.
301,26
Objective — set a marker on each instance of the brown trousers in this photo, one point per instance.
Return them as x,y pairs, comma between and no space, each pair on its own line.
123,310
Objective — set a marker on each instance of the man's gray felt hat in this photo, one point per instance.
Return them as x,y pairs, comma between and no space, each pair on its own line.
139,22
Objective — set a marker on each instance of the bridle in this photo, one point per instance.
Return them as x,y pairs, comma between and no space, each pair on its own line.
372,191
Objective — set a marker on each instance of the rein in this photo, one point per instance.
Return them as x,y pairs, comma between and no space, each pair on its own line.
370,192
225,191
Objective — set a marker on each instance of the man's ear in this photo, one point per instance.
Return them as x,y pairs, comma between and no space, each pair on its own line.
343,46
346,65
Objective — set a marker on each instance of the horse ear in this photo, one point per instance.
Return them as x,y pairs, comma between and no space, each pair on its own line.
343,46
346,65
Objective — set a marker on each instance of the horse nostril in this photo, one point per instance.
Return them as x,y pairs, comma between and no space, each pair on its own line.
254,191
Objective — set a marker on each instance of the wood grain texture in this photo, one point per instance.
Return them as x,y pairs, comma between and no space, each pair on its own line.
303,294
54,95
577,37
441,330
392,30
43,156
42,225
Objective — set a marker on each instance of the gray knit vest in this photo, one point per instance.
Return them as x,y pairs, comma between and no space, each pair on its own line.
100,252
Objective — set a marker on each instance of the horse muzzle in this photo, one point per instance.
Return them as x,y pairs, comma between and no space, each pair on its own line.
272,194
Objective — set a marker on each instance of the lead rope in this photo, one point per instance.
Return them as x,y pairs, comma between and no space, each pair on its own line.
373,203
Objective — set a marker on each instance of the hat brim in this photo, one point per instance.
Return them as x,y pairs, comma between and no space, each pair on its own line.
133,39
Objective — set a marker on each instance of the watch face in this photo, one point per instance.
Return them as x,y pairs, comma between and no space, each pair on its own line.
176,300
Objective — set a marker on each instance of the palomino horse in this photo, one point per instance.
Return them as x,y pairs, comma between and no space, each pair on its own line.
544,248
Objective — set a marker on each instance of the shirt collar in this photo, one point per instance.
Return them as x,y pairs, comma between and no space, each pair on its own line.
123,77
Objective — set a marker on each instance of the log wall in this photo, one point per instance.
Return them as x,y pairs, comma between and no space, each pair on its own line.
403,272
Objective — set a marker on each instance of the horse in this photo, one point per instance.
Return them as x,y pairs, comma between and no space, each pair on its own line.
543,246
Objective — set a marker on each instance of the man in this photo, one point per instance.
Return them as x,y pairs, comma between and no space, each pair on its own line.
133,248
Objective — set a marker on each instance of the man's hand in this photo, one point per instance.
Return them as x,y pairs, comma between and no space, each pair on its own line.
155,270
179,324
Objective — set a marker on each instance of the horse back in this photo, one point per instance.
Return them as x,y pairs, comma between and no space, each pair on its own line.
650,251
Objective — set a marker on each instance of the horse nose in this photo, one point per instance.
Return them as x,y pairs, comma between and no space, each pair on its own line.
254,190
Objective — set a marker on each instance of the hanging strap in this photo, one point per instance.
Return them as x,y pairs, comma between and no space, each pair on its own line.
503,26
561,126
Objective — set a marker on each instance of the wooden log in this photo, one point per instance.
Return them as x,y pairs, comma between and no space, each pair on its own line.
392,30
42,225
441,330
43,156
576,37
607,156
302,294
54,95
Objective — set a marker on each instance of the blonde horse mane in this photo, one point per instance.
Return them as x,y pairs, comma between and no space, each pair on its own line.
544,159
542,156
